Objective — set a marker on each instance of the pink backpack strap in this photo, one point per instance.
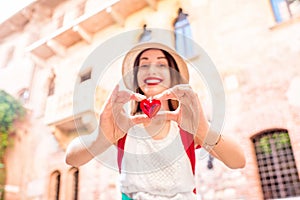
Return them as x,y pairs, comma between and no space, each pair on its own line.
189,146
121,145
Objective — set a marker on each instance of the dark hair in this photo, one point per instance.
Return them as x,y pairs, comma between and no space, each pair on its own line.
175,79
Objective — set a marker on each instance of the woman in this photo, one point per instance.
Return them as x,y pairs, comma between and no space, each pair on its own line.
152,159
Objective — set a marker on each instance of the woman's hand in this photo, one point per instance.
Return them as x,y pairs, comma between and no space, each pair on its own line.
113,125
114,121
189,115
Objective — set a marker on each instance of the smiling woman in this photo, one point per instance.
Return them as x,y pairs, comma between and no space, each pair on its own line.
155,70
156,150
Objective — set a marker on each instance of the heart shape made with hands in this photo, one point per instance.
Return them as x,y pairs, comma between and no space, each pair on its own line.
150,106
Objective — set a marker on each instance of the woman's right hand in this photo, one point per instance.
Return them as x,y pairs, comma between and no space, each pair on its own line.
114,121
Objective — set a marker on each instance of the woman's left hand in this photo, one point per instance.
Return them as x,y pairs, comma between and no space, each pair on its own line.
189,115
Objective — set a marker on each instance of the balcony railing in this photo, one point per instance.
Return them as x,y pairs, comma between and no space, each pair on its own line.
69,113
60,111
94,16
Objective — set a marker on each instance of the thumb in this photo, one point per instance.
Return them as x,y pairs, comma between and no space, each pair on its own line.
138,119
167,115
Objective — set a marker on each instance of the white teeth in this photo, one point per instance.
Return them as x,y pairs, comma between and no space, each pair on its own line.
152,81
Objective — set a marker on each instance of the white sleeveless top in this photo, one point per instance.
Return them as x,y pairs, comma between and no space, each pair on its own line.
156,169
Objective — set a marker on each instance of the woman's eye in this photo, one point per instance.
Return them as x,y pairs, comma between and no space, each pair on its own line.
144,66
162,65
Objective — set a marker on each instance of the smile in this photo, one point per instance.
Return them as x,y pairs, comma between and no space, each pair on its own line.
152,81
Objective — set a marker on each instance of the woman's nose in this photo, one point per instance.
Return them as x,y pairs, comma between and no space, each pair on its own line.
152,69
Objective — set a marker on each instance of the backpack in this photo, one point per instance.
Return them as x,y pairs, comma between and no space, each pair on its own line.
187,141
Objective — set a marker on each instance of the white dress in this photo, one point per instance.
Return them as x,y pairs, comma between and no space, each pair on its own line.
156,169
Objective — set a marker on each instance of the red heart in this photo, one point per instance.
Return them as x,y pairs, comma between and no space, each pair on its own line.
150,107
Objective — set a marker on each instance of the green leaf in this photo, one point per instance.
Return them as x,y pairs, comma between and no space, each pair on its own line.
10,111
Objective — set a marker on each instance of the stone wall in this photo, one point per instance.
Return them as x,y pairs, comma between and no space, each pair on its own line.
256,58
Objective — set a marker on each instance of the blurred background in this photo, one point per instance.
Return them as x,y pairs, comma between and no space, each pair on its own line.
255,46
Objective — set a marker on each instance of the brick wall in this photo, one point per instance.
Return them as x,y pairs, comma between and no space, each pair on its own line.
238,38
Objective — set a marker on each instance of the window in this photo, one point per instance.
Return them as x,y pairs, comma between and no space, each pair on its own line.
54,185
277,169
24,95
51,82
146,35
59,21
8,56
285,9
183,35
51,88
74,172
85,76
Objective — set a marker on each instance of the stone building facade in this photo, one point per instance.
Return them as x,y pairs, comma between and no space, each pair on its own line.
254,45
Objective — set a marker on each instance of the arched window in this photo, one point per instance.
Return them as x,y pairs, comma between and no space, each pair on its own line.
183,35
277,168
7,56
24,95
51,88
146,35
54,187
285,9
73,183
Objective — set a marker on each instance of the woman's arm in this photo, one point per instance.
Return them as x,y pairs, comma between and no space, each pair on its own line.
84,148
225,148
229,152
191,118
114,123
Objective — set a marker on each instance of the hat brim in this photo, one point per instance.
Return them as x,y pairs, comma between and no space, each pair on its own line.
129,59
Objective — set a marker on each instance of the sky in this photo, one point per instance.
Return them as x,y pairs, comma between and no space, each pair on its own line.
9,8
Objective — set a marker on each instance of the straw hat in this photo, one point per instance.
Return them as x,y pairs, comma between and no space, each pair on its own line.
128,61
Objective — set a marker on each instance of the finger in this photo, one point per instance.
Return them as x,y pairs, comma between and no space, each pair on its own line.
177,92
114,93
125,121
137,97
167,115
122,120
140,118
122,97
167,94
108,102
185,93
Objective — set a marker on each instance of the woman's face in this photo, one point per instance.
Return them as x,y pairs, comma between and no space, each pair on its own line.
153,75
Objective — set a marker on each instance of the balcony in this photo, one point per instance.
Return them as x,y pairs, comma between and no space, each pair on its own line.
70,114
60,111
23,13
95,16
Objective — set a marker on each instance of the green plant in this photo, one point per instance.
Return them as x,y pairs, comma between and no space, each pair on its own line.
10,111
